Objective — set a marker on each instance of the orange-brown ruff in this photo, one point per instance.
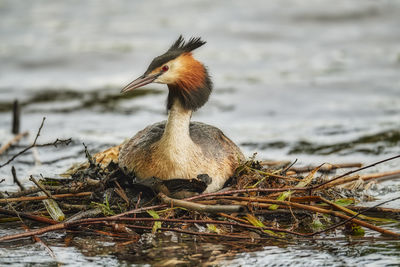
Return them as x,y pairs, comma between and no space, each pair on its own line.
178,148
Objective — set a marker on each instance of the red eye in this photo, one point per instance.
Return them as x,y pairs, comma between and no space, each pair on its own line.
165,68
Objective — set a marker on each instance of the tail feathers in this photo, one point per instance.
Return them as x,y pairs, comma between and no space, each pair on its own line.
104,158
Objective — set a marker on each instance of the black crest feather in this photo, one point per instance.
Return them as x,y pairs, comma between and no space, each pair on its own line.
179,47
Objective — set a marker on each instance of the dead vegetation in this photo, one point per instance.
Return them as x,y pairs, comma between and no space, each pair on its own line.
263,201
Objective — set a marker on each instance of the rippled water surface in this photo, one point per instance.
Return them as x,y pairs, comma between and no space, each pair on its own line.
314,80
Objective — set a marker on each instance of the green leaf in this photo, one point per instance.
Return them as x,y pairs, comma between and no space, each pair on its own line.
345,201
105,207
156,224
361,216
354,229
213,228
302,183
281,197
256,222
316,224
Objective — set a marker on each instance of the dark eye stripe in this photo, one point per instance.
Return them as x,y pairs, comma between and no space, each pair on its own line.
161,60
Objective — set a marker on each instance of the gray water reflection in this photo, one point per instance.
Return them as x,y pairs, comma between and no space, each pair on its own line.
324,253
313,80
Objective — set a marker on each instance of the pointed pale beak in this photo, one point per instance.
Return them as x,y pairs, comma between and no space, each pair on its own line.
139,82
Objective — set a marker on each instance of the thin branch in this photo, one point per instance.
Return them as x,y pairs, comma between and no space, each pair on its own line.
289,166
121,192
327,167
16,119
248,190
85,214
201,207
55,143
33,190
353,217
354,171
139,210
364,177
39,185
40,129
374,209
14,174
37,198
138,202
27,216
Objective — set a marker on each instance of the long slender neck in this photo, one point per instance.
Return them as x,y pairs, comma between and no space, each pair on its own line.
177,126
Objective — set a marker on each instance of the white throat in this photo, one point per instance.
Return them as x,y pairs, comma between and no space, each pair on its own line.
177,128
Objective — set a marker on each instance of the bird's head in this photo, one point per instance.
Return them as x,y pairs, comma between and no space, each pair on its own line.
187,79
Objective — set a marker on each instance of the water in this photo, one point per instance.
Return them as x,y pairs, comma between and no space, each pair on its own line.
313,80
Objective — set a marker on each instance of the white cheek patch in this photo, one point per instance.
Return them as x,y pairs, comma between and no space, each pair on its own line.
172,74
167,78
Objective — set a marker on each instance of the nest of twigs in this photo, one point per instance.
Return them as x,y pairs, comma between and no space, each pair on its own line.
264,200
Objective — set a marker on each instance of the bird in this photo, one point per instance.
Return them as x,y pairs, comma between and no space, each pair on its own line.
178,148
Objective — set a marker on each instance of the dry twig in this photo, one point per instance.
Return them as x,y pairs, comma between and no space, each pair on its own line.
28,216
326,167
354,171
201,207
13,141
39,185
15,178
37,198
55,143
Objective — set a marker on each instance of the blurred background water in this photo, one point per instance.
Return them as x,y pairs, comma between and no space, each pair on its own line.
313,80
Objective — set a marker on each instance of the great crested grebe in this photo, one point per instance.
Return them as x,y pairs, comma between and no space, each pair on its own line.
178,148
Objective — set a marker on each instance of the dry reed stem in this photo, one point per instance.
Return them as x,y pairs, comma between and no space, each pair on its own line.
27,216
326,167
374,209
364,177
353,171
201,207
33,190
13,141
41,187
37,198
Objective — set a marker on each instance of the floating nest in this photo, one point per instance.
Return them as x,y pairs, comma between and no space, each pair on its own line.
263,200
